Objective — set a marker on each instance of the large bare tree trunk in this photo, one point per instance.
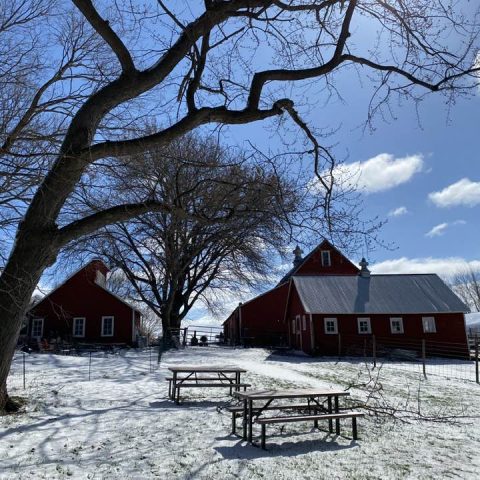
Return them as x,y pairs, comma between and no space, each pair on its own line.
17,283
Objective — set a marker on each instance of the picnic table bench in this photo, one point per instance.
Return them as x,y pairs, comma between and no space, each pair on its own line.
314,410
219,376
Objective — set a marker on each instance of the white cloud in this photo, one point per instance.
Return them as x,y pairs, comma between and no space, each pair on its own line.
397,212
381,172
437,230
440,229
445,267
464,192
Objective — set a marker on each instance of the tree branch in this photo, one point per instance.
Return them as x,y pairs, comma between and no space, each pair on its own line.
434,87
260,78
185,125
102,27
119,213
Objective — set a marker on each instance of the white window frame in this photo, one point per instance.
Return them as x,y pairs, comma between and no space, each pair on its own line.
329,258
304,323
429,325
41,329
396,319
369,324
103,324
326,321
83,327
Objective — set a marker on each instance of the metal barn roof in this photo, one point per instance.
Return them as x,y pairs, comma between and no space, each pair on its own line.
377,294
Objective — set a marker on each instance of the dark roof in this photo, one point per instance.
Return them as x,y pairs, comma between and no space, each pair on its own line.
376,294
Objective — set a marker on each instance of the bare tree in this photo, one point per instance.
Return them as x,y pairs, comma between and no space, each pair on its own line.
172,261
189,66
466,285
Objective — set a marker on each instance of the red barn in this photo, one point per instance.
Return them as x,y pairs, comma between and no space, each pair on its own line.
261,321
83,310
326,305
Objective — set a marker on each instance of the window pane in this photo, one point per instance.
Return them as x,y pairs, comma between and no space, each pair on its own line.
107,326
326,258
37,327
79,327
396,325
330,325
429,325
364,325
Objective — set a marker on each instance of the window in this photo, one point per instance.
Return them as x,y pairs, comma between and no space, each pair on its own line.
326,262
79,327
107,326
331,326
364,325
429,324
293,325
304,321
396,324
37,327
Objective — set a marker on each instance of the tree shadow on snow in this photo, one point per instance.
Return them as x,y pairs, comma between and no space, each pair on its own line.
243,450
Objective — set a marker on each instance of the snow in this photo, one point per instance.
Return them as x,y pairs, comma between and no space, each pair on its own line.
120,423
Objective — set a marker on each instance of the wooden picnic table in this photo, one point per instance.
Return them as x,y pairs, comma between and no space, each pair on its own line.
252,411
224,376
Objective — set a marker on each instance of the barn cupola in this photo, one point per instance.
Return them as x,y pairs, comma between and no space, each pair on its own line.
364,271
298,259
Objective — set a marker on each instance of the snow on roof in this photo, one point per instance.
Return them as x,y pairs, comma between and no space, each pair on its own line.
421,293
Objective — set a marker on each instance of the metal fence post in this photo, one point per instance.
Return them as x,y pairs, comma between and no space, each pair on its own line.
374,351
89,364
477,373
423,358
150,349
24,369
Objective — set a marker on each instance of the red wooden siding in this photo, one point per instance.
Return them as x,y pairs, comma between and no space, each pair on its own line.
260,321
81,296
256,320
449,338
340,265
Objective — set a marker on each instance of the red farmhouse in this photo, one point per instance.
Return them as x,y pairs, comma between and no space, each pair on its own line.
82,310
326,305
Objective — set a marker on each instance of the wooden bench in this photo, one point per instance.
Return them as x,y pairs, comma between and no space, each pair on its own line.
220,382
308,418
176,395
238,411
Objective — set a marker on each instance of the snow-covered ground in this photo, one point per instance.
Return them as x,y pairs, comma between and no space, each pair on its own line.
120,423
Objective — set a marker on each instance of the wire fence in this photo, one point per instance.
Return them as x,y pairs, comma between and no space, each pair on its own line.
39,371
425,356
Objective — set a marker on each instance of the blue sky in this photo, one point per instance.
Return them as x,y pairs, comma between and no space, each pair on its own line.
402,163
429,174
424,159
